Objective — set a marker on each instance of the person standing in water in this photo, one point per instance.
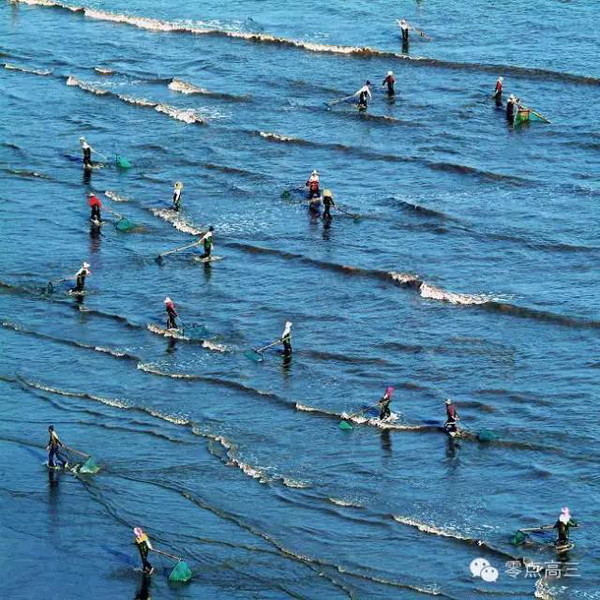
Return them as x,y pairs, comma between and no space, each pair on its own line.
364,95
384,403
87,153
389,81
328,202
313,185
207,241
95,205
80,278
177,190
54,444
451,417
564,523
497,95
286,339
171,313
144,546
404,28
511,108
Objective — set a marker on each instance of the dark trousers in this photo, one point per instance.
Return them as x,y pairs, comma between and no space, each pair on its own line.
326,212
384,412
287,347
171,324
450,426
55,454
145,562
79,284
96,213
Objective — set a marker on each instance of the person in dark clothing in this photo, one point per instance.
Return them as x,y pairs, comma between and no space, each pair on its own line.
54,444
384,403
144,546
207,242
95,205
364,95
564,523
498,91
404,28
389,81
286,339
80,278
328,202
511,108
171,313
87,153
177,190
451,417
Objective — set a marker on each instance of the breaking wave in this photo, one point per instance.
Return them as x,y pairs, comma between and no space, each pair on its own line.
434,530
390,423
206,28
187,115
11,67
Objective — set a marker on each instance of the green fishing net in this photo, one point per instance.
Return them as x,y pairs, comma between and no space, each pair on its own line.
518,538
181,573
89,467
485,435
124,225
122,163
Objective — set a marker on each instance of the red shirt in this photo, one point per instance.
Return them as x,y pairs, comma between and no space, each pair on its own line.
95,201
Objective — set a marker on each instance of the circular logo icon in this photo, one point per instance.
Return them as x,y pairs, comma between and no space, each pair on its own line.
477,565
489,574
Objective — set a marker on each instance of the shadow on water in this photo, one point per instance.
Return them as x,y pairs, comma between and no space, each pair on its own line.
386,441
171,346
143,591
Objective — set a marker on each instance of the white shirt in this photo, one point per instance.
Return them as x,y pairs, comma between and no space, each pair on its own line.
364,88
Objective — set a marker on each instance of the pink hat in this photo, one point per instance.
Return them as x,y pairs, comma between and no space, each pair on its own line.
138,531
389,390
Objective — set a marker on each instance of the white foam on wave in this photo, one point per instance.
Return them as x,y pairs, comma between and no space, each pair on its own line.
426,528
170,333
88,87
230,449
12,67
404,278
187,115
214,346
176,220
148,368
115,197
183,87
136,101
429,291
109,351
276,136
104,71
345,503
